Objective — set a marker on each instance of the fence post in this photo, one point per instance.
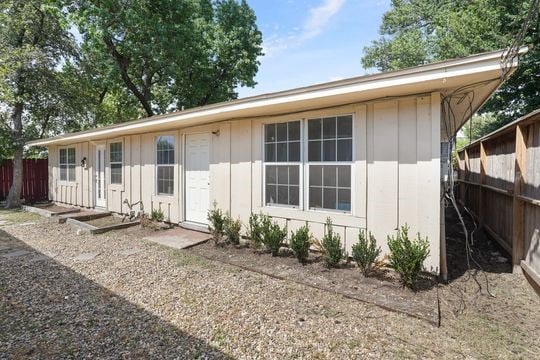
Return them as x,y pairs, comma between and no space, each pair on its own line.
483,165
518,207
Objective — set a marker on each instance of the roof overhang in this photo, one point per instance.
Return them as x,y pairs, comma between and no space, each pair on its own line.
481,72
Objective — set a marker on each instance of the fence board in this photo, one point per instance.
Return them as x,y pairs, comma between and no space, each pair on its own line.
35,179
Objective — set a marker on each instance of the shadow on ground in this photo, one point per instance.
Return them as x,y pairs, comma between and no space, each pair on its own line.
49,311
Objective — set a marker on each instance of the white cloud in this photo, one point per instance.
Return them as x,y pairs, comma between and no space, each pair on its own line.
314,25
319,17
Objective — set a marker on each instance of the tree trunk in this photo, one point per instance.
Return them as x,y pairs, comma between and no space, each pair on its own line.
14,196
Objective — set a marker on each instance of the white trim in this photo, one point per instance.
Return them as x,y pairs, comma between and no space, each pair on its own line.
173,165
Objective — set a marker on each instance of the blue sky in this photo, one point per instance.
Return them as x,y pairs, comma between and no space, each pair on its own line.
310,42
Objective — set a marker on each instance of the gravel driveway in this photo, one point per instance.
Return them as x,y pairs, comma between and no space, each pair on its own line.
117,296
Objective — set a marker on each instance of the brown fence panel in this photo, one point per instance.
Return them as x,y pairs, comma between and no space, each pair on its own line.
35,179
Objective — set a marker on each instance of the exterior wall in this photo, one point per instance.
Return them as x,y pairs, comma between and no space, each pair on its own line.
395,172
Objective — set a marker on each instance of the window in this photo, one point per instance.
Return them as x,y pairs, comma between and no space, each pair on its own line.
165,165
115,162
67,164
329,161
282,163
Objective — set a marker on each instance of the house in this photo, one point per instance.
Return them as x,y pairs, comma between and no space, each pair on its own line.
365,151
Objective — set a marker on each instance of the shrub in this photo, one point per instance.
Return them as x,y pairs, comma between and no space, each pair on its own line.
232,229
365,252
216,223
407,257
300,243
157,215
272,235
331,244
256,228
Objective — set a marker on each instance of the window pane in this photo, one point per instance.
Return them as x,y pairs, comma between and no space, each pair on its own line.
63,172
329,175
271,194
281,130
115,154
283,175
294,130
165,150
329,150
294,196
294,151
71,172
315,175
329,198
271,177
314,129
329,128
344,150
165,179
344,126
270,132
270,152
294,175
344,200
283,195
344,176
315,197
63,156
314,151
282,152
71,155
116,173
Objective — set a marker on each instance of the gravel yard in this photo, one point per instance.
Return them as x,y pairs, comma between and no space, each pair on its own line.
117,296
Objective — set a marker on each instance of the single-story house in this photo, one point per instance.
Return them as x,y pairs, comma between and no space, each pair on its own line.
365,151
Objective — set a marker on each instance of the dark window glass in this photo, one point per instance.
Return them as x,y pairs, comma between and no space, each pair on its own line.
329,150
283,195
165,180
271,194
344,200
314,151
315,175
329,198
271,177
329,176
281,130
315,197
294,151
314,129
344,176
294,195
344,126
282,184
283,175
116,173
270,132
294,130
281,152
344,150
329,128
270,152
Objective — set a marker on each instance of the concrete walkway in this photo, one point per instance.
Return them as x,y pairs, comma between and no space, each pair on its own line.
179,238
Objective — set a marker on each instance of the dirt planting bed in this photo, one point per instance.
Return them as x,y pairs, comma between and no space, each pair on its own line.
382,288
105,221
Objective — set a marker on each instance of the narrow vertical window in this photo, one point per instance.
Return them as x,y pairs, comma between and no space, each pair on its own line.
165,165
115,162
67,164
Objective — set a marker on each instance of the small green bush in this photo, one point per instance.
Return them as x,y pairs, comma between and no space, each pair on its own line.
365,252
331,245
157,215
232,229
273,235
300,243
216,223
256,229
407,257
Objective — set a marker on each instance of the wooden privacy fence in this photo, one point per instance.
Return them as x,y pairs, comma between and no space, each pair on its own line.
35,179
499,181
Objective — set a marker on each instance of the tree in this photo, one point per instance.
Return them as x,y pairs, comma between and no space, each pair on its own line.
416,32
34,42
171,55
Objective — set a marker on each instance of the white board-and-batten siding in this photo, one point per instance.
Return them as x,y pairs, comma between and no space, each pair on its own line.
395,171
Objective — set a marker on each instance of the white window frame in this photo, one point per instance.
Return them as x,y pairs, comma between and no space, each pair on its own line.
307,164
67,164
121,162
157,166
300,205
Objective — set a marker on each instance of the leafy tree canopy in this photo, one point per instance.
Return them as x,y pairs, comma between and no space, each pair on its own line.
415,32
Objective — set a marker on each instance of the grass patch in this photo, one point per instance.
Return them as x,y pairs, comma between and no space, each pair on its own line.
17,216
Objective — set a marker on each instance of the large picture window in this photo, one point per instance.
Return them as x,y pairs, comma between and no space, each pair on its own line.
330,156
67,164
165,165
282,157
115,162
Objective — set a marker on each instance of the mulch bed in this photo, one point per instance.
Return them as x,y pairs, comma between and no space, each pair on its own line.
381,288
105,221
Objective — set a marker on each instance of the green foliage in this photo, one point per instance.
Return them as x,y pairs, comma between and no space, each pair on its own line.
333,251
416,32
365,252
231,229
407,256
300,243
272,235
167,55
157,215
255,230
216,223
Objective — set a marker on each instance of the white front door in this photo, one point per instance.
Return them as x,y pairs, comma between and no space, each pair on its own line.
197,177
101,197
